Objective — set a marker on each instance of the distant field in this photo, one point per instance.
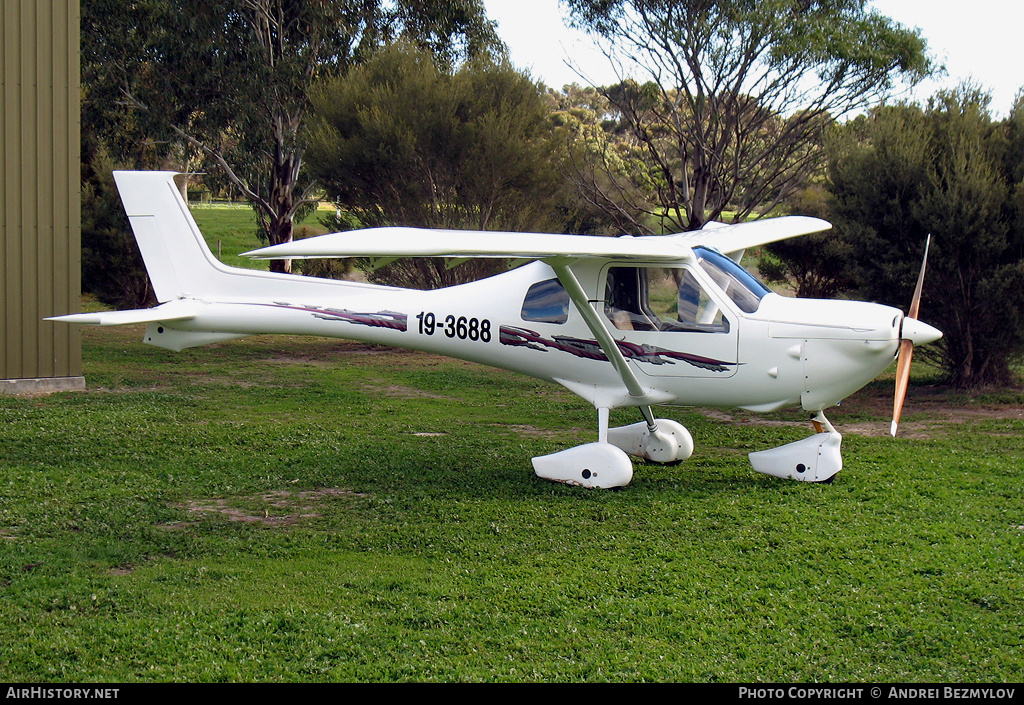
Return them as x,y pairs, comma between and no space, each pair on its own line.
230,229
277,509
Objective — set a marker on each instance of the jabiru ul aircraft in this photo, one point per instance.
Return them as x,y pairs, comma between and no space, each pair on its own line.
579,313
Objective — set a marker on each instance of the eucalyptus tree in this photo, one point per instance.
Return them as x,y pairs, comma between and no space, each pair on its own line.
726,101
402,141
227,80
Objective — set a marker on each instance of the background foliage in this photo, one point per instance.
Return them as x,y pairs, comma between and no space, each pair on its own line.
401,141
225,82
730,99
112,267
951,171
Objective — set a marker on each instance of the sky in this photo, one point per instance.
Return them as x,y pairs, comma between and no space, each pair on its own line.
978,40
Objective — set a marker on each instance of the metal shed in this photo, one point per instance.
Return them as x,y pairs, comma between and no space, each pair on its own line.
40,218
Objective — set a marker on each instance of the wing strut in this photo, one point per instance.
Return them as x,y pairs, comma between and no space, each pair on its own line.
563,271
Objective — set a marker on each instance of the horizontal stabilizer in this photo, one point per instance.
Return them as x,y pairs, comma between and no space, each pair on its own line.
171,311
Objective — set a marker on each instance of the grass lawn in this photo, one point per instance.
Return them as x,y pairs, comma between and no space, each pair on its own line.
278,509
295,509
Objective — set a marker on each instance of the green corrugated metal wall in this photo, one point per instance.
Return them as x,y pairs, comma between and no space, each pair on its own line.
40,219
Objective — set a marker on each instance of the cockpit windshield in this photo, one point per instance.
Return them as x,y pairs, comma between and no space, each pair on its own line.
739,285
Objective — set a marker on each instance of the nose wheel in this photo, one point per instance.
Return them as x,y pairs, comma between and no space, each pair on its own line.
814,459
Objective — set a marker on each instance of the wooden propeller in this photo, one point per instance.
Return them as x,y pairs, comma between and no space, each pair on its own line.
907,347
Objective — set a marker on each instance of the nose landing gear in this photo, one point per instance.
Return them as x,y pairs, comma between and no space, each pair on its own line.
814,459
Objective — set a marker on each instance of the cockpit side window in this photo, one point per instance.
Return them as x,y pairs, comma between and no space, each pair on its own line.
649,298
695,310
626,299
546,302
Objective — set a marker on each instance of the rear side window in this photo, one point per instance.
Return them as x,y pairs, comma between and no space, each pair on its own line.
546,302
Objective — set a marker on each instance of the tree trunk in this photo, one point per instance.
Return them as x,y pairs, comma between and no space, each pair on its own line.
280,231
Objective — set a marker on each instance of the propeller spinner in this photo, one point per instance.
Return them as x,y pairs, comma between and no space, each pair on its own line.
912,332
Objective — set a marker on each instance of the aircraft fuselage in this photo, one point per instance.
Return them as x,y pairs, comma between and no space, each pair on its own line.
788,352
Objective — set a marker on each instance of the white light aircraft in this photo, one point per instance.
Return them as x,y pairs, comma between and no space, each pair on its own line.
578,313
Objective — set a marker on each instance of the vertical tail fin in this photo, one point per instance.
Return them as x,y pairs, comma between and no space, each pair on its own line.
179,262
187,277
181,265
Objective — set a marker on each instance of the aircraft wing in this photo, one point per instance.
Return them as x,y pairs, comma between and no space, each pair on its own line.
731,239
420,242
425,242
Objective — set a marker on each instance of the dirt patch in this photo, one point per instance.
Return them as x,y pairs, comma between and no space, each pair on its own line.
860,428
934,412
318,351
398,391
528,431
929,401
278,508
308,360
326,353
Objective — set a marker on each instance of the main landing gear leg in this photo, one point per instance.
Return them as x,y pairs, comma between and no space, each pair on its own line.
606,463
814,459
598,465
